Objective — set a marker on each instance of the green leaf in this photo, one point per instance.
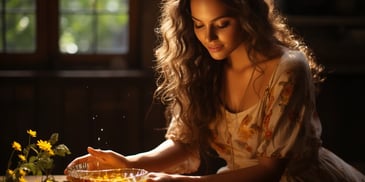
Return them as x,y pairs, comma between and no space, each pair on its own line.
43,154
26,150
45,163
30,167
61,150
53,139
32,159
34,148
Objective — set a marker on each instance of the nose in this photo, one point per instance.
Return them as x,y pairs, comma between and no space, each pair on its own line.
210,34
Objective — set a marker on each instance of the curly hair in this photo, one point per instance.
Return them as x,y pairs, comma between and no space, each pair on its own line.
189,80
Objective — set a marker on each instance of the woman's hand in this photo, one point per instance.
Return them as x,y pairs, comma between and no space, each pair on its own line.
164,177
100,159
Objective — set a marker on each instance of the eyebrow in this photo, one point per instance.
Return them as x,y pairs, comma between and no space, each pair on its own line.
215,19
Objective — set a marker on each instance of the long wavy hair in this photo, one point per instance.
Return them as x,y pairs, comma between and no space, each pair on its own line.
189,80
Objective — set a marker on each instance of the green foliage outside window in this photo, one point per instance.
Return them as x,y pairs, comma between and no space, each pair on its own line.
94,26
17,23
85,26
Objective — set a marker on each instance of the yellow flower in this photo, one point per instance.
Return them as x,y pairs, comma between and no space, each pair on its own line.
22,172
22,157
22,179
27,162
51,152
10,172
32,133
17,146
44,145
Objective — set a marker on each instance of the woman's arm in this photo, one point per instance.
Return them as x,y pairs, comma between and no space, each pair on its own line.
268,169
164,156
167,154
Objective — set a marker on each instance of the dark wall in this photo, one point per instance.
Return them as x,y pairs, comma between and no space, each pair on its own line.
114,111
340,107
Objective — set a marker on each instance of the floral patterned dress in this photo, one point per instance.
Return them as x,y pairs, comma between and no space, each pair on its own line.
283,124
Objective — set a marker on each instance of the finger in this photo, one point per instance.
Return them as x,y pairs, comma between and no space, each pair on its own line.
94,152
100,155
65,171
94,163
151,177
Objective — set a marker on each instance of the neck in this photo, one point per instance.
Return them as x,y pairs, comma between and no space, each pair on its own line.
237,84
239,60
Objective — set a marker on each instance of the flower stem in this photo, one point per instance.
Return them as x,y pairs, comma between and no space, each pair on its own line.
10,158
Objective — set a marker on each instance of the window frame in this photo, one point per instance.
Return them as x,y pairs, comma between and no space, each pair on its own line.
48,56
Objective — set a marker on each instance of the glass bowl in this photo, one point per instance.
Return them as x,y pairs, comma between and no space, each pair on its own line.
81,173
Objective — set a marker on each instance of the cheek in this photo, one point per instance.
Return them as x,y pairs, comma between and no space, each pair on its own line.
234,36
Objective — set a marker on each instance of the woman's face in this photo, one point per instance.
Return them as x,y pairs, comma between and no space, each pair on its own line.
216,28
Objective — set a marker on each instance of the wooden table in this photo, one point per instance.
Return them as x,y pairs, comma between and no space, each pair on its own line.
58,178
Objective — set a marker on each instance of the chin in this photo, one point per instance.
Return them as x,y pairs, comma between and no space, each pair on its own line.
222,59
218,57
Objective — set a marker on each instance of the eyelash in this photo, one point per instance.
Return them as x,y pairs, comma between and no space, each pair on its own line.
198,26
220,26
223,25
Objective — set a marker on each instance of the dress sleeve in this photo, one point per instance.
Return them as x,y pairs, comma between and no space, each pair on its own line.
188,166
179,132
287,109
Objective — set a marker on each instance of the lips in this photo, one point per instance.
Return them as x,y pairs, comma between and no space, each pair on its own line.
215,48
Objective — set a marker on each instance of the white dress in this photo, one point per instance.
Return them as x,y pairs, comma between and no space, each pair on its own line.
284,123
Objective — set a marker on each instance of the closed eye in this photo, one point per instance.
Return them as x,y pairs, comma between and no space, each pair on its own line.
197,26
223,25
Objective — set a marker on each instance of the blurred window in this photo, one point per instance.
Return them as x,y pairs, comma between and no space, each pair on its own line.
66,33
94,26
18,24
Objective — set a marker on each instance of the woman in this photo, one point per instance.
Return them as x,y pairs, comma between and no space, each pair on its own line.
234,78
